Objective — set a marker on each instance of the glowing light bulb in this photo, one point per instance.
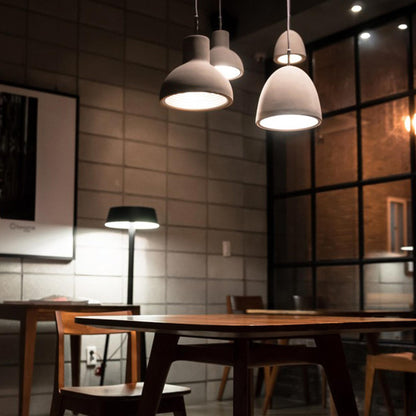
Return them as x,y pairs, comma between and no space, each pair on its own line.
402,26
356,8
365,35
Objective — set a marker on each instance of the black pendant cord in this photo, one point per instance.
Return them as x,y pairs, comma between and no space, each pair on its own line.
220,14
196,17
288,30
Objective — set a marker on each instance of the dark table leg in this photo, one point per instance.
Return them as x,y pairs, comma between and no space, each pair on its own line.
331,356
243,380
161,357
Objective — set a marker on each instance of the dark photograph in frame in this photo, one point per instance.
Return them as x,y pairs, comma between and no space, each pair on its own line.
37,172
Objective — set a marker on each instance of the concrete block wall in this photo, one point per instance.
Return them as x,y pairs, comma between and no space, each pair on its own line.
204,173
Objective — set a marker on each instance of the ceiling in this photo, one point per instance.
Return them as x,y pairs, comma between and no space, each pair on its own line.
255,24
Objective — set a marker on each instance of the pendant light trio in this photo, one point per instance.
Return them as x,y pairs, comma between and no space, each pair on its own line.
288,101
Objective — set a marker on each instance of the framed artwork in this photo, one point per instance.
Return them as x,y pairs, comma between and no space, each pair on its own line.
38,133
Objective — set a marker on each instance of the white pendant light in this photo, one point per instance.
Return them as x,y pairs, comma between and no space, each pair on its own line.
196,85
289,100
297,49
226,61
222,57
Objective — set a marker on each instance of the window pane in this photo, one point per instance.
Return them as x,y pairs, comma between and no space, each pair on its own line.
293,229
414,48
290,282
383,56
336,150
291,154
383,129
334,75
389,286
337,224
334,280
387,214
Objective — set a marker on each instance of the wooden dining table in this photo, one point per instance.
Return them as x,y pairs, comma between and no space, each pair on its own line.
244,353
371,338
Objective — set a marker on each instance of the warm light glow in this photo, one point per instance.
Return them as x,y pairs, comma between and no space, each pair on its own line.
406,248
365,35
138,225
356,8
196,101
289,122
402,26
408,124
294,58
228,72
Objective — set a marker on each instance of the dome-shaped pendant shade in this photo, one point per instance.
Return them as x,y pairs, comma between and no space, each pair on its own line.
223,58
297,49
196,85
288,101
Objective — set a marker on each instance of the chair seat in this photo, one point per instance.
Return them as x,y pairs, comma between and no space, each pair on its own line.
401,361
128,390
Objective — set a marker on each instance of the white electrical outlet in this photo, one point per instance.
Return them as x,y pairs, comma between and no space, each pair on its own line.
91,356
226,248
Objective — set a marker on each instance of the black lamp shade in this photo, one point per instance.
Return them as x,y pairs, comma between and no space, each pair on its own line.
140,218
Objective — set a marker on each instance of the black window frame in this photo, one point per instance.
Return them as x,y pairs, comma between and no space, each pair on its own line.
408,14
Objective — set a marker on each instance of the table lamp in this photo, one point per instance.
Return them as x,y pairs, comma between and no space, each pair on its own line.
132,219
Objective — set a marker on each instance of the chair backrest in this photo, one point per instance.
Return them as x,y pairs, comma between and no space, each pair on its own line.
302,303
66,325
239,304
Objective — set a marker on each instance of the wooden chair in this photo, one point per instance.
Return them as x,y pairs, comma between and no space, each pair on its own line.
239,304
108,400
404,362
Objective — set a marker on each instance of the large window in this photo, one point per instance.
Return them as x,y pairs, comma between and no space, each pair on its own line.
342,196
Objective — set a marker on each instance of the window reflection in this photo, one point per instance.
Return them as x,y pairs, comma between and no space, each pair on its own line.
293,229
387,219
336,150
383,129
290,282
292,157
383,57
333,280
337,224
334,75
388,286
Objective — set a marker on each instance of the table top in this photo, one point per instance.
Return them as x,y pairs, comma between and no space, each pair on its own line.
333,312
229,326
16,310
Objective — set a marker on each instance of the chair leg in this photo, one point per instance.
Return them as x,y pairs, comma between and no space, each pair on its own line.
369,385
225,374
323,387
408,390
259,381
305,377
57,408
270,383
181,410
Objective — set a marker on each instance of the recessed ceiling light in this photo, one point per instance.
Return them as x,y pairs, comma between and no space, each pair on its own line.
365,35
402,26
356,8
